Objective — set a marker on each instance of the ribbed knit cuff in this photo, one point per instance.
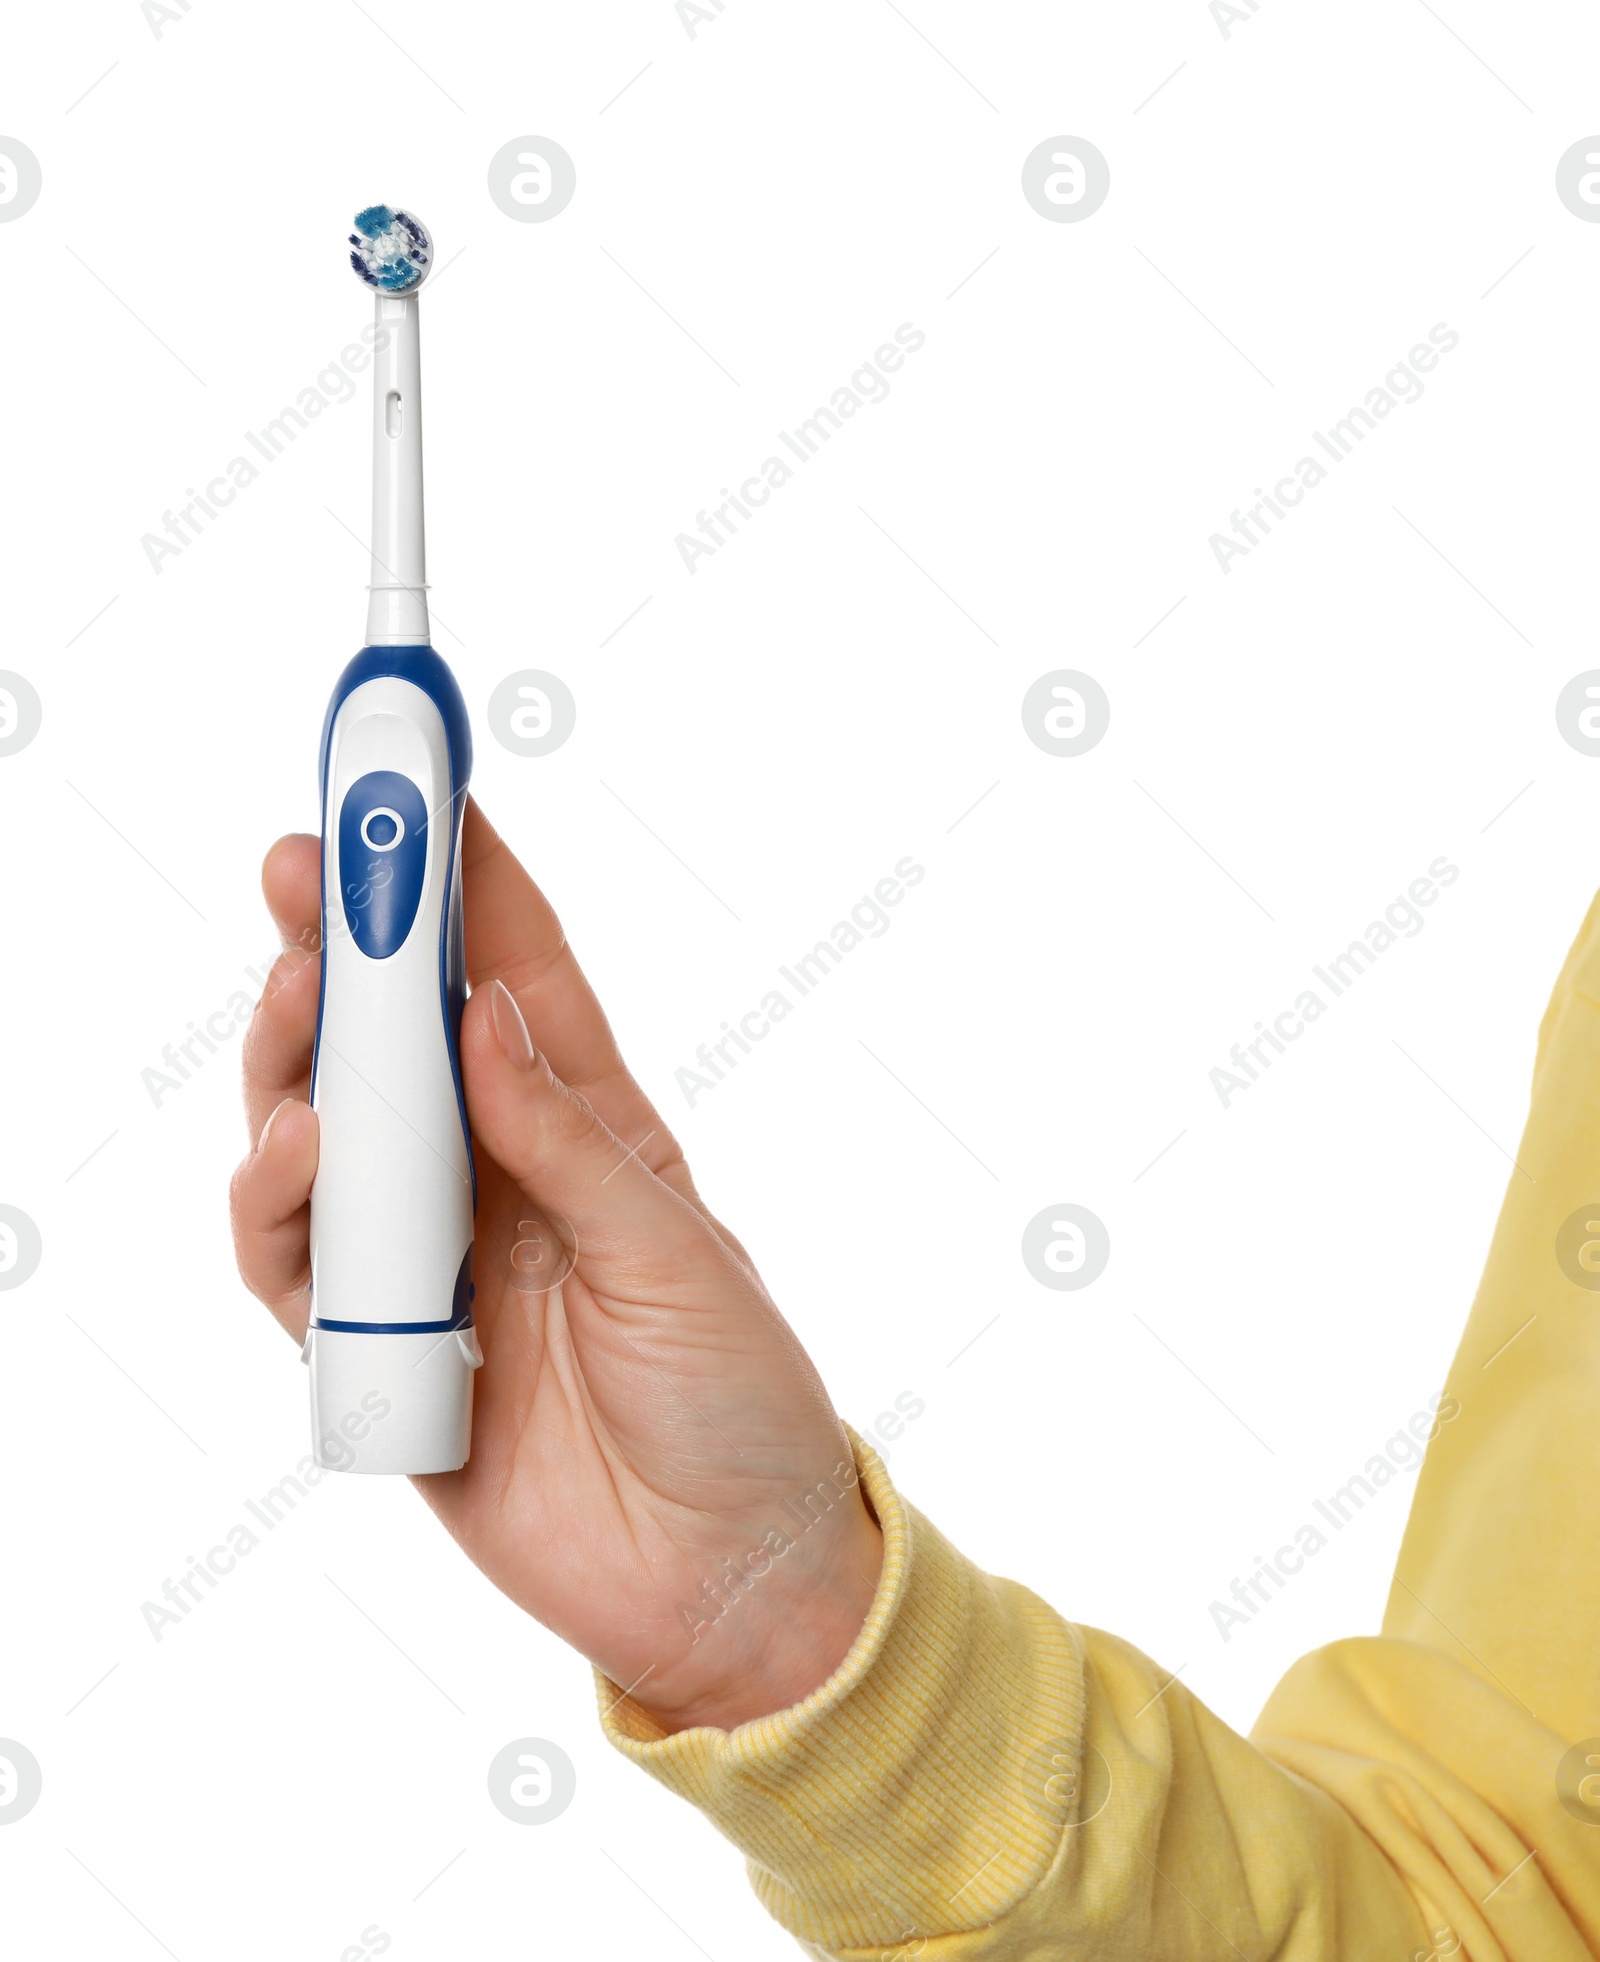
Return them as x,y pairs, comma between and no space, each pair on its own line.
916,1793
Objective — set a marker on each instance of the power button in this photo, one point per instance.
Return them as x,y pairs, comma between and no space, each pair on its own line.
383,857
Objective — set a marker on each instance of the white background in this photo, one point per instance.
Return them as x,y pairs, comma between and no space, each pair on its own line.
1299,204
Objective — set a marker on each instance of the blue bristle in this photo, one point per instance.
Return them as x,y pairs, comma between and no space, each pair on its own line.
374,221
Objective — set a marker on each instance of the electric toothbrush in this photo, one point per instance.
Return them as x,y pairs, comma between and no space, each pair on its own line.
391,1345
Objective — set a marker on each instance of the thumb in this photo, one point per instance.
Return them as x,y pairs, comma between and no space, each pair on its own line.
550,1141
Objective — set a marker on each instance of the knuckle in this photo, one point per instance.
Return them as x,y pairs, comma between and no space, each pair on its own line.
286,1009
236,1191
286,971
570,1118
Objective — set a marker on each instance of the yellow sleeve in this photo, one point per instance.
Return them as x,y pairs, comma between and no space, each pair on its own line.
1500,1566
1481,1701
980,1781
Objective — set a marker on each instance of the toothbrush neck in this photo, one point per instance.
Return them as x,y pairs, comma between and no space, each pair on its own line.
397,612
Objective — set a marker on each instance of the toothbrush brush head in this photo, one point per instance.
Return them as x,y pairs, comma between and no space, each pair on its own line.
390,250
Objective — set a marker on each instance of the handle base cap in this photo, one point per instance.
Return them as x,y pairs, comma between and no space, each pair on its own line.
392,1404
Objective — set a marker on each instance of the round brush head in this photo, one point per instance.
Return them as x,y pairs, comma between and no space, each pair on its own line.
390,250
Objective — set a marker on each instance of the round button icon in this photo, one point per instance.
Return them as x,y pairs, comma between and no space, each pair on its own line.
20,1247
1577,1781
532,713
1578,712
21,1781
21,712
382,829
21,179
532,178
1578,180
1578,1247
1065,1247
1066,713
532,1781
1066,178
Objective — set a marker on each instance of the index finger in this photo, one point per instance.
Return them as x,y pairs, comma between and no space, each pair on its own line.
514,936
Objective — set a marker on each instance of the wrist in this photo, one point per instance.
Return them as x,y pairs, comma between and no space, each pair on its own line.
769,1631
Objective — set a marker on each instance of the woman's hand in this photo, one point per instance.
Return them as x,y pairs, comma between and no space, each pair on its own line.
649,1439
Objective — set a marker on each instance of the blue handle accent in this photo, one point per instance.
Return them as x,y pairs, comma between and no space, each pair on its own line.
383,855
424,669
391,1328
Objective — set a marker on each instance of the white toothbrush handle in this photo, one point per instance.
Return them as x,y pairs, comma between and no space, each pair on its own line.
391,1345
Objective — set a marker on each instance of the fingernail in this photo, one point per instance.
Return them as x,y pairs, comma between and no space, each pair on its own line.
266,1129
510,1028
